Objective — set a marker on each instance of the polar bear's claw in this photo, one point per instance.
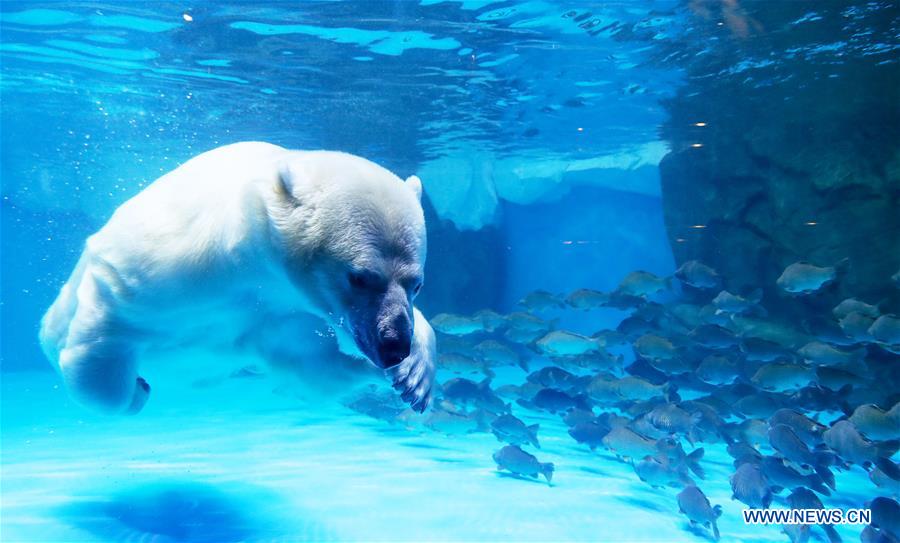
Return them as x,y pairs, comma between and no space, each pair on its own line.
413,378
141,393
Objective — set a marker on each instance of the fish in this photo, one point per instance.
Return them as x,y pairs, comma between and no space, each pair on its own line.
717,369
603,388
641,284
780,475
886,515
658,471
519,462
744,453
695,505
495,354
714,336
597,360
856,326
628,444
791,447
802,498
453,423
635,388
460,390
654,347
456,325
381,405
491,320
846,441
753,431
779,377
525,391
750,486
555,401
826,329
761,350
698,275
807,429
510,429
835,379
460,363
759,405
590,433
886,331
805,278
522,336
585,298
563,343
540,300
527,322
726,302
877,424
576,416
672,419
852,305
823,354
553,377
747,326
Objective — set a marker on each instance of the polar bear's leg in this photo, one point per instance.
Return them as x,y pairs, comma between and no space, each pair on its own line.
102,374
96,354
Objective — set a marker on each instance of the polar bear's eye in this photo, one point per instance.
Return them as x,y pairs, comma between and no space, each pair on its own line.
358,279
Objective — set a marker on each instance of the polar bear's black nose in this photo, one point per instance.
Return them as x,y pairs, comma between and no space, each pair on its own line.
395,341
393,350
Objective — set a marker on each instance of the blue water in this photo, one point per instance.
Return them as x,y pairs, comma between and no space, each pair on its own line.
561,146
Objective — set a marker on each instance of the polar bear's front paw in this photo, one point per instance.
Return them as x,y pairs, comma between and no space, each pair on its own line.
414,377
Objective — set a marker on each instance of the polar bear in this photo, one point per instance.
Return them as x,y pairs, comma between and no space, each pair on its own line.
234,242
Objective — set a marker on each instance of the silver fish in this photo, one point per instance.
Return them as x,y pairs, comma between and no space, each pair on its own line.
654,347
510,429
750,486
515,460
717,369
852,305
783,377
697,275
562,343
726,302
877,424
586,298
886,330
695,505
642,283
540,300
805,278
456,325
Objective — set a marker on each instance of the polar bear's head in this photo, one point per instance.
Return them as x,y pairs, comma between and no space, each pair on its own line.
353,235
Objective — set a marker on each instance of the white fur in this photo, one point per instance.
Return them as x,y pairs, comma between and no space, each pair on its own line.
212,253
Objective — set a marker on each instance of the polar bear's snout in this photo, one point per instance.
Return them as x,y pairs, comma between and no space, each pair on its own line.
393,326
394,338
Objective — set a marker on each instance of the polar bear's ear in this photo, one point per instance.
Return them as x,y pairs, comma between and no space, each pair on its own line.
288,179
415,185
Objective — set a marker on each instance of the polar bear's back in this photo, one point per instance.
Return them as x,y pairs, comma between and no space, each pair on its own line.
204,208
177,237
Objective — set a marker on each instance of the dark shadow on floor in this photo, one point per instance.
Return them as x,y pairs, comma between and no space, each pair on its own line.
174,511
642,504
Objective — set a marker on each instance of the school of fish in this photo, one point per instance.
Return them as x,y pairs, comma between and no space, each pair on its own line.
690,365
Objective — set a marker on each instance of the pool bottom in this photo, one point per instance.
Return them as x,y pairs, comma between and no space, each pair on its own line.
238,463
